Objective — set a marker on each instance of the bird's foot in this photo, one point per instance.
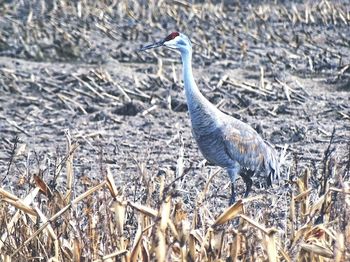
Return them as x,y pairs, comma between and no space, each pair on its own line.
232,200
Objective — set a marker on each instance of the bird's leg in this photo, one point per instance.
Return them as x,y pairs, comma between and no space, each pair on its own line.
269,178
232,172
248,181
233,194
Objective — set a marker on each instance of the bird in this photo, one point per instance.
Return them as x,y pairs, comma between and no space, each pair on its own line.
222,139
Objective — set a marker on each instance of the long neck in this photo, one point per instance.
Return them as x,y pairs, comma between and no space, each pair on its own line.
193,95
203,114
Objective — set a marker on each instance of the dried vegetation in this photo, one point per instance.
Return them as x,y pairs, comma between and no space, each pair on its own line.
78,204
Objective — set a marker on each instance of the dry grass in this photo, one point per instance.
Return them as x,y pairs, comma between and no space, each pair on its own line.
62,215
103,224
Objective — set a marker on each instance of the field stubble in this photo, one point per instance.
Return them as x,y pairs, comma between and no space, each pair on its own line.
96,156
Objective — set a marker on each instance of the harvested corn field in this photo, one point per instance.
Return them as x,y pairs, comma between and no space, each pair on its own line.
97,160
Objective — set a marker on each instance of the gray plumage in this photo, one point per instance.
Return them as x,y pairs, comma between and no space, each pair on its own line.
222,139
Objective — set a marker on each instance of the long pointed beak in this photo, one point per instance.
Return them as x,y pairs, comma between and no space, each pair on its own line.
154,45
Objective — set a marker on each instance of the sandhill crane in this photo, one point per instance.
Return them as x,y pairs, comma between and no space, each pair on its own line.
222,139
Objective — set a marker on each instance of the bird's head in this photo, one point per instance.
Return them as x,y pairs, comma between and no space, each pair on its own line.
175,41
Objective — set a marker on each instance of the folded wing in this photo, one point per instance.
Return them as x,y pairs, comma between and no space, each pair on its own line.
244,145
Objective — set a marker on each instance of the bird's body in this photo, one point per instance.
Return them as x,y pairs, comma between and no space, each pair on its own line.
223,140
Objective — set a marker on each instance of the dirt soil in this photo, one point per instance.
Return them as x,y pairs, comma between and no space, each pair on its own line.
283,68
